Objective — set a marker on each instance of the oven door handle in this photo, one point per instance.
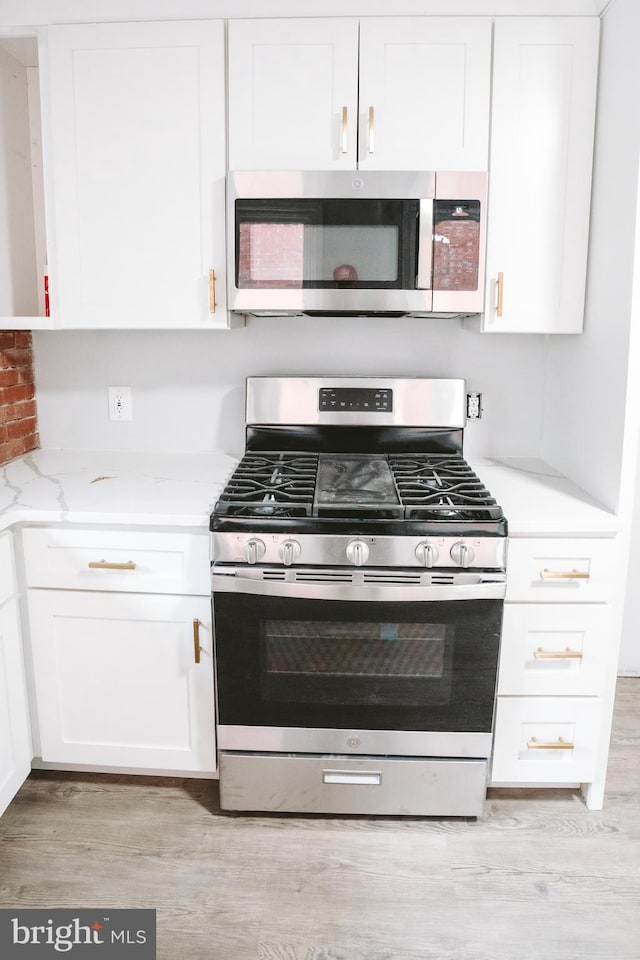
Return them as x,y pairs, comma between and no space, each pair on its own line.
488,589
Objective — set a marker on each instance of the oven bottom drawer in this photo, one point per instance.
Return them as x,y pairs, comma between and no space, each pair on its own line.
342,784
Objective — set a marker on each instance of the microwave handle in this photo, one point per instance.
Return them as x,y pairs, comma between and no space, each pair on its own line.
425,245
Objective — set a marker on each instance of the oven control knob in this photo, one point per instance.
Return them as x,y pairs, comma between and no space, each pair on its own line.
254,550
357,552
289,552
462,554
426,554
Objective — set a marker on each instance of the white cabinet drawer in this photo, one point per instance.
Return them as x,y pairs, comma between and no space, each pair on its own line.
7,578
545,739
554,649
560,570
122,560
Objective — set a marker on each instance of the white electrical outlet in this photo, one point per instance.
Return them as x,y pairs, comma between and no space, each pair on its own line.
120,403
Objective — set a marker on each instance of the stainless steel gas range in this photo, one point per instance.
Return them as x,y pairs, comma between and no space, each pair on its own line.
358,578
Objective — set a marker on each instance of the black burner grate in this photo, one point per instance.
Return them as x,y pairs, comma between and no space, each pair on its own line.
286,485
441,487
273,484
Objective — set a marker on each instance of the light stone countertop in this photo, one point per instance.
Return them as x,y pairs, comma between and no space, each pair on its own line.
180,489
538,501
101,486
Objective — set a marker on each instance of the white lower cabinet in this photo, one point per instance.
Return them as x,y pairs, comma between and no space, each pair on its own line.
124,680
546,739
555,664
15,738
122,648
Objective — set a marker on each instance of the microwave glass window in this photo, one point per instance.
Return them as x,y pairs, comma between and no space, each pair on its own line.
325,243
271,255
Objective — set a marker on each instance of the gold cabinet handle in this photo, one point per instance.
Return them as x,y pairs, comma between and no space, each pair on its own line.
196,641
212,291
559,744
566,654
107,565
344,143
499,295
370,143
564,574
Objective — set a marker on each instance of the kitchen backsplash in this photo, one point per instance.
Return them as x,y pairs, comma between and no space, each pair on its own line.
187,389
18,417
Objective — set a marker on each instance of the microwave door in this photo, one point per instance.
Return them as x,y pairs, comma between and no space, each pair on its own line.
425,246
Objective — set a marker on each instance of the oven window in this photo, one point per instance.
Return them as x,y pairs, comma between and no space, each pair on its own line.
379,663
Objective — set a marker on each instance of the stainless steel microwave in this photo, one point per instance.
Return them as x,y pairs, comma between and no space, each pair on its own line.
342,243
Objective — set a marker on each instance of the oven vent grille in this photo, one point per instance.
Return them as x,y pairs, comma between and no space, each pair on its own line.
410,578
302,577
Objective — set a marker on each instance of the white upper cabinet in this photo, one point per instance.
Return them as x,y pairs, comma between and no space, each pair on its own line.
137,144
423,100
293,93
424,93
22,231
543,114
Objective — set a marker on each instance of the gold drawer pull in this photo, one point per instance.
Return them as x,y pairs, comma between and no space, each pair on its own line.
566,654
344,148
106,565
559,744
564,574
196,641
370,136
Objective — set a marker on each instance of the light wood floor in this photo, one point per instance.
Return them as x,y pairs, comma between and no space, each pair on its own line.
539,876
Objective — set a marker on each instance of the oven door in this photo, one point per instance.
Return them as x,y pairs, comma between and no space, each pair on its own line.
385,667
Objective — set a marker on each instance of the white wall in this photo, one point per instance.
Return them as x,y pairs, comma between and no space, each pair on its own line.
592,417
188,387
629,663
586,422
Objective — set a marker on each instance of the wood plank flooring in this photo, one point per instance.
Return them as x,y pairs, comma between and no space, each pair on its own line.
539,876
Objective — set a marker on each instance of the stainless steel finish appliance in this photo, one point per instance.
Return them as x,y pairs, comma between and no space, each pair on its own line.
358,577
356,243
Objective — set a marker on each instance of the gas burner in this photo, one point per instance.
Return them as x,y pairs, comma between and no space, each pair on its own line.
272,484
437,487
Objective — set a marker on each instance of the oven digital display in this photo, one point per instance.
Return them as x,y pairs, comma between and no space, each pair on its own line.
356,399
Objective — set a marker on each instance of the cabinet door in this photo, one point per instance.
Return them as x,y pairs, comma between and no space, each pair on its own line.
19,276
546,739
554,649
15,739
117,682
424,93
137,142
560,569
543,113
293,87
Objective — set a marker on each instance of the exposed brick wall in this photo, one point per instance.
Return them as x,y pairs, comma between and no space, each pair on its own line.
18,423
